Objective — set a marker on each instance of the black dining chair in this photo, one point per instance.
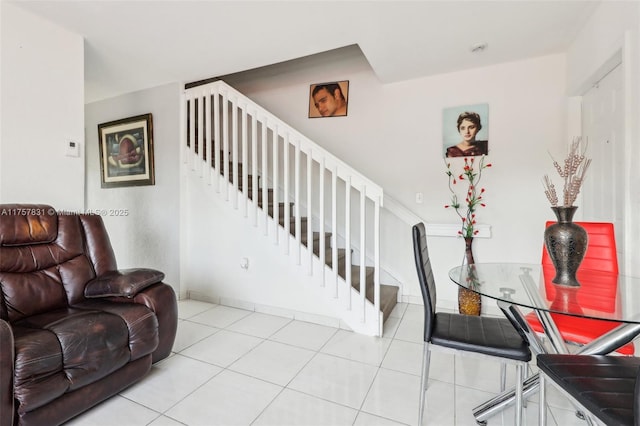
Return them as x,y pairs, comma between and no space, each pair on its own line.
464,334
605,387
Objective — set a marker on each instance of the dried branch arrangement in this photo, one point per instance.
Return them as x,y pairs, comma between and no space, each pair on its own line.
573,172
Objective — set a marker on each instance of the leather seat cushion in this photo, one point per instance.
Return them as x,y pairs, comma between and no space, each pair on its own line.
39,374
604,385
141,323
485,335
63,350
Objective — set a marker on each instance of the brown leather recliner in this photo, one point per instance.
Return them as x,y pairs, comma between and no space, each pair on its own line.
73,329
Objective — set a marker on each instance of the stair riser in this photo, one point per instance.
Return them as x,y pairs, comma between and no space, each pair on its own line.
260,197
281,211
316,240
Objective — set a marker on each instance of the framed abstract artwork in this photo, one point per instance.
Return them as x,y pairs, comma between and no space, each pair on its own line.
126,152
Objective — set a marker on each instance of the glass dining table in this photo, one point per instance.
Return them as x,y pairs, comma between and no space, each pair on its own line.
519,288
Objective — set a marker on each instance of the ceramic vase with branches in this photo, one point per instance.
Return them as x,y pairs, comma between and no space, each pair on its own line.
566,241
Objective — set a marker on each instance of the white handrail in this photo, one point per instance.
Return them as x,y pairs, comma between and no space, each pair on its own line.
432,229
373,190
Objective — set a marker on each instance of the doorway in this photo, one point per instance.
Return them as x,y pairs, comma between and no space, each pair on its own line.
603,192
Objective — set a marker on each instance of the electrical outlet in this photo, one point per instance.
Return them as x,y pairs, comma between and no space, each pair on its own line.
419,197
244,263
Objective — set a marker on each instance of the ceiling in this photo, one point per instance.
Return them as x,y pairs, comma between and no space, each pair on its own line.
133,45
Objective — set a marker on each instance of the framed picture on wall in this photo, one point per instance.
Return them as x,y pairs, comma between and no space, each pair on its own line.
465,130
329,99
126,152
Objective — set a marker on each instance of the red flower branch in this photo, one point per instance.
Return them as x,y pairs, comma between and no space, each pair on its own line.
474,197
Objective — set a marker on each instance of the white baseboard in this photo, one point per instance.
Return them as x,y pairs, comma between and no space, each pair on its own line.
270,310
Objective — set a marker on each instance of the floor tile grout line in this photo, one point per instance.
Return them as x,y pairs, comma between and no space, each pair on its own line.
379,367
237,359
168,417
214,305
328,340
227,368
159,414
366,395
323,399
267,406
400,318
164,413
216,330
281,386
317,351
320,351
253,335
382,417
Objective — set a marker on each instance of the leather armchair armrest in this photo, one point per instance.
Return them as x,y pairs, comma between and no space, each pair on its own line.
161,299
6,374
123,283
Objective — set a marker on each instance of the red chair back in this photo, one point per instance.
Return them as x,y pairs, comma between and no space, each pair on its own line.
599,287
599,290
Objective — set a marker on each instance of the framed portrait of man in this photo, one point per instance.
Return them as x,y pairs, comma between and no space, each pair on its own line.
465,130
329,99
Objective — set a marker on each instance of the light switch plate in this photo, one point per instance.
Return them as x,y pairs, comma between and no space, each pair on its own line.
72,149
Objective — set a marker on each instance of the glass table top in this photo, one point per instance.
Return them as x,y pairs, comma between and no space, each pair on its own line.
601,295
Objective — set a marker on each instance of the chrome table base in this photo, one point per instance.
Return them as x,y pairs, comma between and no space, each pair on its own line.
605,344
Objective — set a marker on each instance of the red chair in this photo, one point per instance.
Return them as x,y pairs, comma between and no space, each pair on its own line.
597,292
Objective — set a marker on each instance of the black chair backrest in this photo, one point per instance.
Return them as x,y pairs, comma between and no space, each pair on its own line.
636,401
425,277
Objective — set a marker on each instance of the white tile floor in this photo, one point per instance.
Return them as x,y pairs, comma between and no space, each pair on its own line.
237,367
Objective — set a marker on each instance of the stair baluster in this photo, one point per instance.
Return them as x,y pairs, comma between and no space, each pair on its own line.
245,162
285,191
309,211
347,238
363,254
254,167
234,175
225,143
276,198
296,206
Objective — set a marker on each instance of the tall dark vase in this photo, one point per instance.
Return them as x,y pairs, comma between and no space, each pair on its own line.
469,302
566,243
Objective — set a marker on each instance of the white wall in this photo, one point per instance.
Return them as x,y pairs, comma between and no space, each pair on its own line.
149,235
393,135
219,236
612,36
599,42
42,86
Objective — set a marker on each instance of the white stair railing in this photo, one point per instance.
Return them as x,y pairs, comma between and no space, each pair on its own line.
226,132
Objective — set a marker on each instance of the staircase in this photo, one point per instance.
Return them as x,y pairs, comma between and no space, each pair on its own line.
328,215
